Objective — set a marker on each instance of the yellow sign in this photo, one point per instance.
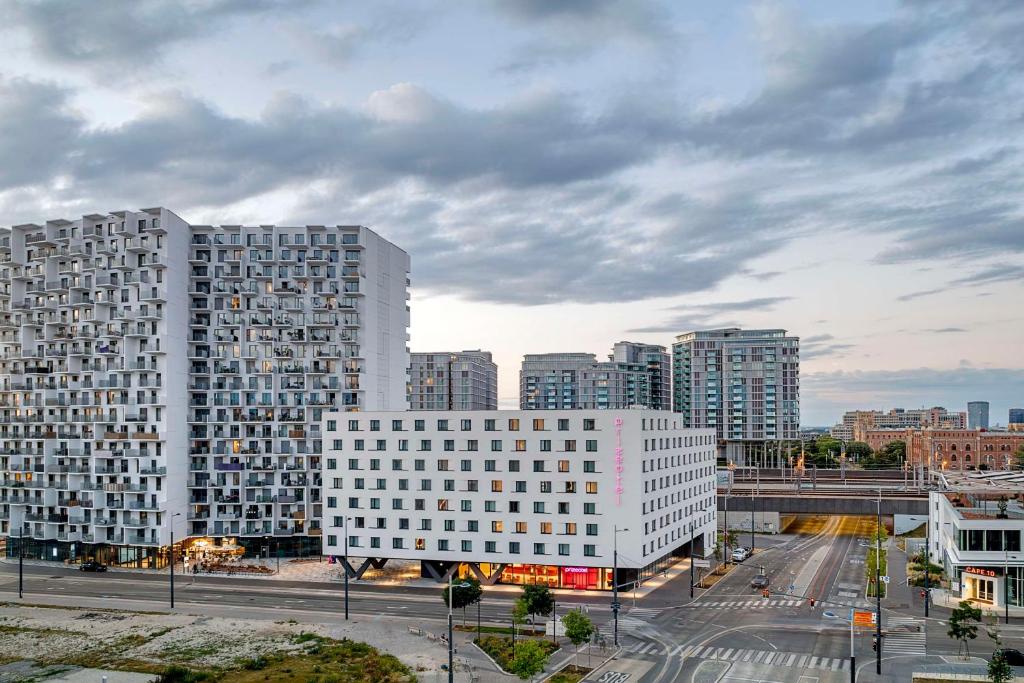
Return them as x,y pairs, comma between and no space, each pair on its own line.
862,618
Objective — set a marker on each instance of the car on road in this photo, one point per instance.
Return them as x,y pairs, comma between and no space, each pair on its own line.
760,582
92,566
740,554
1012,657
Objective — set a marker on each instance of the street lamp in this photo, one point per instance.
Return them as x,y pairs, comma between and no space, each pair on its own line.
176,514
451,645
615,582
344,568
21,562
691,559
853,657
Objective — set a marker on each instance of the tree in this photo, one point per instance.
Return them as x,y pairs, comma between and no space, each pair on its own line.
519,612
999,670
963,625
858,450
464,596
539,599
530,659
578,629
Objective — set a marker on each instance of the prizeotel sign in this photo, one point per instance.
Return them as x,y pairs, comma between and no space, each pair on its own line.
618,461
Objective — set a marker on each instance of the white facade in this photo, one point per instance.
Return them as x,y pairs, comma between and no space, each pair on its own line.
154,372
518,487
978,545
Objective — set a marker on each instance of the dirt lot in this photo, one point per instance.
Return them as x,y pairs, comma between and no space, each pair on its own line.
150,642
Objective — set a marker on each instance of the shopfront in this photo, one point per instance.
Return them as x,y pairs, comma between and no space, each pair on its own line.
980,585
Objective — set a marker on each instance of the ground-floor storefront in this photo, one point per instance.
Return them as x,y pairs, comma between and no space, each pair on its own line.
129,557
560,576
990,585
193,549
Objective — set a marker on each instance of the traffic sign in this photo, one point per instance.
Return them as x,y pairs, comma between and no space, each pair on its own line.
885,579
703,564
864,618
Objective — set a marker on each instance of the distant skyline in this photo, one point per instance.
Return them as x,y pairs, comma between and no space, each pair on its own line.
568,174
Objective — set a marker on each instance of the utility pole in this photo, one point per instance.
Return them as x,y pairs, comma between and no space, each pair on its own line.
927,558
878,584
20,563
344,568
691,559
176,514
615,582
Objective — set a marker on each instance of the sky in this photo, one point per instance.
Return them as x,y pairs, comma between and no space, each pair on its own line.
566,174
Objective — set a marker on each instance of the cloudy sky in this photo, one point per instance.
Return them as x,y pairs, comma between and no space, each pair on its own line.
569,173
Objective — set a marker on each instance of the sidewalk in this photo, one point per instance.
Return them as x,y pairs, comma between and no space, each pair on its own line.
941,597
898,594
396,573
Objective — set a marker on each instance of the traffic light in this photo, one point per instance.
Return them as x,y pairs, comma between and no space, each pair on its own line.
874,643
812,603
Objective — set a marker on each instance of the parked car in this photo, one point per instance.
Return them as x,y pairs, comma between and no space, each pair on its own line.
740,554
760,582
1012,657
92,566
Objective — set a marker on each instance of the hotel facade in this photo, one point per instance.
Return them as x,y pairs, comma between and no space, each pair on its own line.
159,376
519,496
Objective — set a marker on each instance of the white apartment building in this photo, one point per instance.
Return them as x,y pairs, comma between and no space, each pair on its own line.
976,537
745,384
453,380
519,496
155,374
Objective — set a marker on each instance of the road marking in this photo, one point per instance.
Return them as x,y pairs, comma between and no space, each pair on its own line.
764,657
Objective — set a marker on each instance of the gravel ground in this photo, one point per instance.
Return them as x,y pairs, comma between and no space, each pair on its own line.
186,639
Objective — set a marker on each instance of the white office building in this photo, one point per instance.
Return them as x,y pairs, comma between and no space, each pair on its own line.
976,537
156,375
519,496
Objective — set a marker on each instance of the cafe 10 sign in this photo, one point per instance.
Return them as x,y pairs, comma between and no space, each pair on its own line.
618,461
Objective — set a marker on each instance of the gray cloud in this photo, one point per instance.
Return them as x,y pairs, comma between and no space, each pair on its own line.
917,295
113,36
565,31
697,316
36,131
946,330
1005,272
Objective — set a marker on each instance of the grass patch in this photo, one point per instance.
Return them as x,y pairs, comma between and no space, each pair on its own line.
869,571
570,674
505,630
500,649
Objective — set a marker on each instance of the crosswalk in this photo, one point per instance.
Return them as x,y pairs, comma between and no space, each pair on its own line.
905,636
748,604
728,654
644,612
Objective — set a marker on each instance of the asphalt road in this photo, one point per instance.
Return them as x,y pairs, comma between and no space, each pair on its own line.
123,590
729,634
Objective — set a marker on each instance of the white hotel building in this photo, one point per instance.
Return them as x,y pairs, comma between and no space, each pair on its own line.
158,375
519,496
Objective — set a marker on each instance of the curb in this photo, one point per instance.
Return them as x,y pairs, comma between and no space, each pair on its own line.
496,665
586,678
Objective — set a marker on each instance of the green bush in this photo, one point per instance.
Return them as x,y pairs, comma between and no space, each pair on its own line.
500,649
181,674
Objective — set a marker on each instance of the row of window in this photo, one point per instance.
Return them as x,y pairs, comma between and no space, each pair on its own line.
466,425
465,465
472,445
466,546
470,486
471,526
465,505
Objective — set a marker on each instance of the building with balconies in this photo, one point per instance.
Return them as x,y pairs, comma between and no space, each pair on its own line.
158,375
453,380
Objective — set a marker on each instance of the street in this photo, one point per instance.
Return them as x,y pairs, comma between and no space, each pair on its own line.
730,632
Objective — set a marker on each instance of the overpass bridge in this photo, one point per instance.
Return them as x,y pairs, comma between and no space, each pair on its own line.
824,502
